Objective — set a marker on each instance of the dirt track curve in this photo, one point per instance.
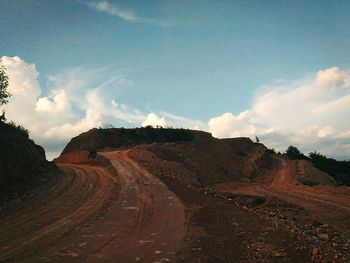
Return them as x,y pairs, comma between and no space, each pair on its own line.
94,215
326,204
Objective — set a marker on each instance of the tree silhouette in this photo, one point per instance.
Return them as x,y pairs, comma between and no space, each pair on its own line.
293,153
4,82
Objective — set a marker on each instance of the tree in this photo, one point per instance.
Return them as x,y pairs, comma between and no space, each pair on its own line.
4,83
293,153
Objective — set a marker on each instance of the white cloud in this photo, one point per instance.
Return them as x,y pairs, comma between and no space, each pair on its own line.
228,125
51,119
114,10
154,120
331,78
126,15
67,130
311,113
56,103
183,122
114,104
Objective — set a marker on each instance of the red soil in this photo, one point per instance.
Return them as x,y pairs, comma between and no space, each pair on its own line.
203,201
91,215
272,218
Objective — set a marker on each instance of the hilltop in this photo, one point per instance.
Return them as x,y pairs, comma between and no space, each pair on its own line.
202,159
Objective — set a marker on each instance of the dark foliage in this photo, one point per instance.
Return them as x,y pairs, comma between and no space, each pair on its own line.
92,154
112,138
149,134
293,153
271,151
23,166
4,82
19,128
339,170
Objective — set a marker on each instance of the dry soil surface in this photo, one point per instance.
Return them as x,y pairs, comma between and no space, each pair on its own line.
270,219
94,215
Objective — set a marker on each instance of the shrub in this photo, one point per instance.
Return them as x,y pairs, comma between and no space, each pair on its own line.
92,154
293,153
271,151
20,129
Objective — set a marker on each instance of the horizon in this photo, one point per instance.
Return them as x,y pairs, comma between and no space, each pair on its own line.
278,71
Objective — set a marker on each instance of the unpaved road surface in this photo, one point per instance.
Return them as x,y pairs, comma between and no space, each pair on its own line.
326,204
96,215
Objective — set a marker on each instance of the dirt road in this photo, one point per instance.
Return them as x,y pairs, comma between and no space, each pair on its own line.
326,204
94,215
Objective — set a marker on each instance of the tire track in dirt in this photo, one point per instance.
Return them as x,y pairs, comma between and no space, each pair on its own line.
57,217
89,215
154,217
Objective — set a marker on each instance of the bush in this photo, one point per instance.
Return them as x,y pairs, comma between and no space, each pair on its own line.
293,153
19,128
92,154
339,170
271,151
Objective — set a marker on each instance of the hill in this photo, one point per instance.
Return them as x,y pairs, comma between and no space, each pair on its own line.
195,157
23,166
175,195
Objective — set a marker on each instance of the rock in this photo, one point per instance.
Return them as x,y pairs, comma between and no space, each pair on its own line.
278,254
323,236
315,251
196,249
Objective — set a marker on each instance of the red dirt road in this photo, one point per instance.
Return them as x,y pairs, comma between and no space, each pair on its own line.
93,215
326,204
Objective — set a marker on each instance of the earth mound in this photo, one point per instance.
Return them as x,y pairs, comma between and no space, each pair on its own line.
192,157
308,174
23,165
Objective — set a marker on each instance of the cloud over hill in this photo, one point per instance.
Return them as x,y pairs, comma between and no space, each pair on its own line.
310,113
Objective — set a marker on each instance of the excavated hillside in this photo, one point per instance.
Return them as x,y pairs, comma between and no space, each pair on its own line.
175,195
23,166
195,157
202,159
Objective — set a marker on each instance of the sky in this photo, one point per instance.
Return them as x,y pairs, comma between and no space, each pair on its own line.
279,70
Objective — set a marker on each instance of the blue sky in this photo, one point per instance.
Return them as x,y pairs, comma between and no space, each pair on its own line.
192,59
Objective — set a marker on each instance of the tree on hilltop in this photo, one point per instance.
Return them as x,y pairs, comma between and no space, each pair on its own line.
4,83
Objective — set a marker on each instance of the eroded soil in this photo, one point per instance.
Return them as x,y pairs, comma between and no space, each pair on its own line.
94,215
138,208
271,219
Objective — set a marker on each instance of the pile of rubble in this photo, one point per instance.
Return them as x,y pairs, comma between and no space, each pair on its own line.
324,242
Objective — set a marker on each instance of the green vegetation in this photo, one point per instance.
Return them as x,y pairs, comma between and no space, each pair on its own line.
4,97
92,154
293,153
271,151
19,128
4,82
339,170
149,134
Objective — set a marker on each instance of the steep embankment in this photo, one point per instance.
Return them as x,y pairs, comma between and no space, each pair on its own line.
193,157
23,166
198,158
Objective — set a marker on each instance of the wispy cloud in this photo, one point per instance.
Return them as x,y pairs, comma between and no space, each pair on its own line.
113,10
126,15
77,100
